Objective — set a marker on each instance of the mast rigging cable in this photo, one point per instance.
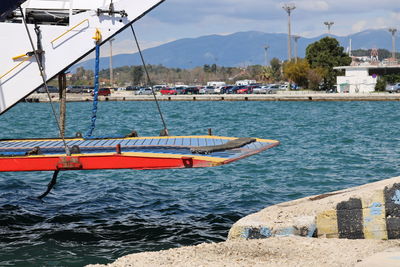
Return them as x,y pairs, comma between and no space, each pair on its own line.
165,131
43,75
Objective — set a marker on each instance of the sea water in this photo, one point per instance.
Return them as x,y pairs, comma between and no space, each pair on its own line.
98,216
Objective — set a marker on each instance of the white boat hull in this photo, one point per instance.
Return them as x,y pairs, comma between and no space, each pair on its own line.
63,45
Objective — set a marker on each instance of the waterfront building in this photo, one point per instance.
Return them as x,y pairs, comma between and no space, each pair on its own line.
362,78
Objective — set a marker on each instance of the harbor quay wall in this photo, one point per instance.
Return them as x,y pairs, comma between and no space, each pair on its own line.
281,96
371,211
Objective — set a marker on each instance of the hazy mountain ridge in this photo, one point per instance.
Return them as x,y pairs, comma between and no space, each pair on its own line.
237,49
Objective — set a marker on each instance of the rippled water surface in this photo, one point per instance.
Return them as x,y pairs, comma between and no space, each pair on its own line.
98,216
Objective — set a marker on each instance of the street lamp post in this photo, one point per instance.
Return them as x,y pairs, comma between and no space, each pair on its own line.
266,55
288,8
393,32
329,25
111,64
295,38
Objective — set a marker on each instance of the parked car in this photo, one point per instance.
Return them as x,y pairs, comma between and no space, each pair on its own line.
234,89
168,91
132,88
259,90
75,89
245,90
192,90
52,89
207,90
393,88
181,90
218,90
103,92
225,89
87,89
158,87
144,91
284,86
272,89
331,90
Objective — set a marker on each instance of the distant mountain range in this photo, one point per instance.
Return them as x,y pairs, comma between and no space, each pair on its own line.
237,49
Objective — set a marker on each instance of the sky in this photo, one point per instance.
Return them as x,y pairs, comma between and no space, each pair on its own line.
177,19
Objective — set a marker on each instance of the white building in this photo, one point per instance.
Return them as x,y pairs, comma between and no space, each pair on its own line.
357,79
362,78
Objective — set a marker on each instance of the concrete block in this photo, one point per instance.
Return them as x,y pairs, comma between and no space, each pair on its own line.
350,219
327,224
392,209
370,211
374,219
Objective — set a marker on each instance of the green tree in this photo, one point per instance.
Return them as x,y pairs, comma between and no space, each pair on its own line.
265,74
213,68
137,74
276,65
392,78
327,53
206,68
380,85
315,77
80,73
297,72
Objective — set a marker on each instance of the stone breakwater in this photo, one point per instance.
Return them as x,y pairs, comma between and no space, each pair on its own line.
281,96
370,211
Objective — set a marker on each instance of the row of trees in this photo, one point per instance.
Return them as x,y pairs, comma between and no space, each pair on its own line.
135,75
315,71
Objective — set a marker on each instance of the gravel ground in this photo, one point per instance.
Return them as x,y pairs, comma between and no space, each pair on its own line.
276,251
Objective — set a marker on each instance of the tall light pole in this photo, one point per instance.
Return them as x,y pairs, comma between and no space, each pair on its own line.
288,8
329,25
295,38
111,65
266,55
393,32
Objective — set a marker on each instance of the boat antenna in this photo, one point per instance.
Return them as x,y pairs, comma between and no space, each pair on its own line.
43,75
165,131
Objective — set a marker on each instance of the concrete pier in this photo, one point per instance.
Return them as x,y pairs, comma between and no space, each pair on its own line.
370,211
281,96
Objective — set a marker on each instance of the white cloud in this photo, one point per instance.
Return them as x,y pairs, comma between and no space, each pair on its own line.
381,22
313,5
359,26
176,19
395,16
